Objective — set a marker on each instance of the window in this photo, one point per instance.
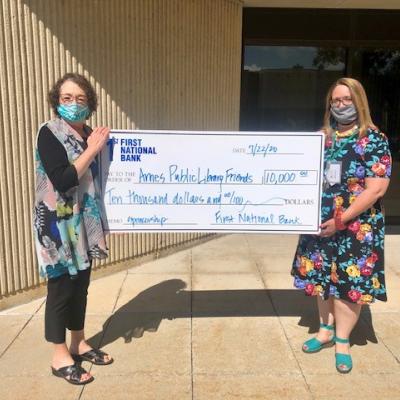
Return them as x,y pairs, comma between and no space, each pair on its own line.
292,56
284,87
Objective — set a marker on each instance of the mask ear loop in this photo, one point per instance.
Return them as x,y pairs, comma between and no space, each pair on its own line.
333,123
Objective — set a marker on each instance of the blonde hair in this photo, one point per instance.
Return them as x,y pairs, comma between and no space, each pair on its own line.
360,101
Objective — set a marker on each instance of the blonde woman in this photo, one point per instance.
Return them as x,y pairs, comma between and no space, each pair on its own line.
344,266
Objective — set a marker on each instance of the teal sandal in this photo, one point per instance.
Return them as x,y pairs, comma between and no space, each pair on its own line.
344,363
314,345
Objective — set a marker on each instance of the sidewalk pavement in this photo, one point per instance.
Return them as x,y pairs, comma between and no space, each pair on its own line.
217,321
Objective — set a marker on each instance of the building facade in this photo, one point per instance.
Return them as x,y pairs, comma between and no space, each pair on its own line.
170,64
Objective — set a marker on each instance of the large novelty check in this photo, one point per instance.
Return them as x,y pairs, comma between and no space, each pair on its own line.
212,181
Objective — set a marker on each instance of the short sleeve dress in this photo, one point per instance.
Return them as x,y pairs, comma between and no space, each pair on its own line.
350,264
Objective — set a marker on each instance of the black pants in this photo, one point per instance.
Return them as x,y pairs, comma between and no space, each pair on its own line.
65,305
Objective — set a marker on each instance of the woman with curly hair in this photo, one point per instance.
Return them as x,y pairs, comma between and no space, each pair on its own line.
68,224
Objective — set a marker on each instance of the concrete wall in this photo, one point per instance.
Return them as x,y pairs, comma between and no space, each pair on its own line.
156,64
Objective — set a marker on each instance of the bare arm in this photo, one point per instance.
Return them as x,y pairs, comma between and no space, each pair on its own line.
375,188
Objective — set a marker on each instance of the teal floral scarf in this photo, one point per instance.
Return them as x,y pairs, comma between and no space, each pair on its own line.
68,226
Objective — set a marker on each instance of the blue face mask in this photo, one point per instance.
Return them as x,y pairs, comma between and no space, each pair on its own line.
73,112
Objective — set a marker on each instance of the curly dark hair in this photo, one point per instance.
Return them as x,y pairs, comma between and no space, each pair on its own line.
54,94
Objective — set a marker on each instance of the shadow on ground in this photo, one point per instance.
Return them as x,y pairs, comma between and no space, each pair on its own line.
170,300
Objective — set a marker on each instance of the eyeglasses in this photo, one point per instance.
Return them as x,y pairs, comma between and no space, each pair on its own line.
346,101
69,98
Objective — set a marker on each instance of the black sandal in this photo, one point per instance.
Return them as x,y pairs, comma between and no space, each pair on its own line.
95,356
72,374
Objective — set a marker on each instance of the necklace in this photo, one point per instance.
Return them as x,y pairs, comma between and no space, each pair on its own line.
337,146
347,133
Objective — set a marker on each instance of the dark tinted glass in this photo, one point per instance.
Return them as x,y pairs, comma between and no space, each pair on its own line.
284,87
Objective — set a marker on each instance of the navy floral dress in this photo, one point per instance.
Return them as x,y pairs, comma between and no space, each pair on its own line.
350,264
